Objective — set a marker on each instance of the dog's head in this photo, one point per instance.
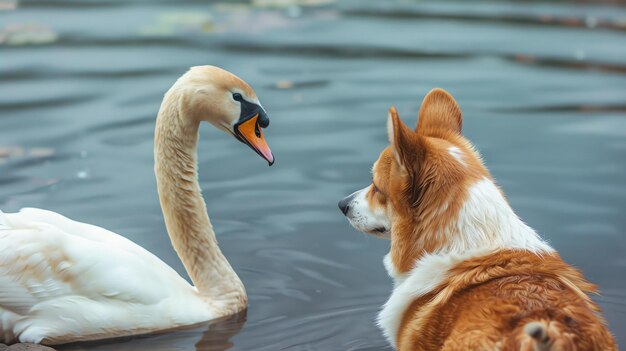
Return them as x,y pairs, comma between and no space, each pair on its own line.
420,180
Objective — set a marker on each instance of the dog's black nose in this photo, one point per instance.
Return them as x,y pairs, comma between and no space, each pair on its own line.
344,205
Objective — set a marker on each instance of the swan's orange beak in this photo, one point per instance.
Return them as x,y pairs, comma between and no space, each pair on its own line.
251,134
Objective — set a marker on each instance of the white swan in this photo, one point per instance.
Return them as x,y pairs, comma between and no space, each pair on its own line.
64,281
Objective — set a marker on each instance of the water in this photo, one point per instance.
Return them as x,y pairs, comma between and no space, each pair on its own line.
542,86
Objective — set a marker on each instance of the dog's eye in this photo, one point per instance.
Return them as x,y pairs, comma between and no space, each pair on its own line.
237,97
376,190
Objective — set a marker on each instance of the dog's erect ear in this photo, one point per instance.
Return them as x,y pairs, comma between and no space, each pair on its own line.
408,148
439,111
402,140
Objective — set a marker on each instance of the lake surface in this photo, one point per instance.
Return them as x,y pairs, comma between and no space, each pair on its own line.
542,86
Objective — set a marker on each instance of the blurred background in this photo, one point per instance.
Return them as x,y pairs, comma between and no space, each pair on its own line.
542,85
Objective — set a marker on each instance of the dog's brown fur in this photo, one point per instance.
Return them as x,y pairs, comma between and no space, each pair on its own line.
508,300
487,302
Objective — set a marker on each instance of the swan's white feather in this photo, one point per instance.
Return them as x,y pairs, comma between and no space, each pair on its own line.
62,280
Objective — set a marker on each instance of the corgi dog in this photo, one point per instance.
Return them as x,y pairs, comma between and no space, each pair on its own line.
468,273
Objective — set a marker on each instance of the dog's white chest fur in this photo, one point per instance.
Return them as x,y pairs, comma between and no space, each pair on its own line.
429,272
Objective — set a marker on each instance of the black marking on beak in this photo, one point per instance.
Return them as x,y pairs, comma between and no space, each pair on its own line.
248,111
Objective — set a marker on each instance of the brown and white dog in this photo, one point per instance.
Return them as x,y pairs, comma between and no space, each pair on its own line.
468,273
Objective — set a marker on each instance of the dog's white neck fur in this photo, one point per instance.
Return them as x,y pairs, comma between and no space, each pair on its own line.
486,223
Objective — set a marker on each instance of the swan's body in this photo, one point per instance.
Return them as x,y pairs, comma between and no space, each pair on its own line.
101,283
63,281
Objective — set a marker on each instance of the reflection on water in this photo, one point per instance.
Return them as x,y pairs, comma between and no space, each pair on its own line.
212,336
541,84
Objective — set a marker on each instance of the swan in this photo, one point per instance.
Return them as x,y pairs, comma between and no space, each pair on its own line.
64,281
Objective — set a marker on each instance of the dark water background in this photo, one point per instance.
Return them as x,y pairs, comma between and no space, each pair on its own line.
542,86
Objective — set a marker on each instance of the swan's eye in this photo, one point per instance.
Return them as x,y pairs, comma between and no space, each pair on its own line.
237,97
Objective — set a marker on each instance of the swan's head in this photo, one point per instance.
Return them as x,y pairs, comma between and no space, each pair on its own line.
223,99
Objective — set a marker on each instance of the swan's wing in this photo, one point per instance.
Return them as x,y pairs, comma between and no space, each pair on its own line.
29,217
53,268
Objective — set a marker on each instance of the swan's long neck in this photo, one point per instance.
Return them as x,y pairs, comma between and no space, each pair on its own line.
187,222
